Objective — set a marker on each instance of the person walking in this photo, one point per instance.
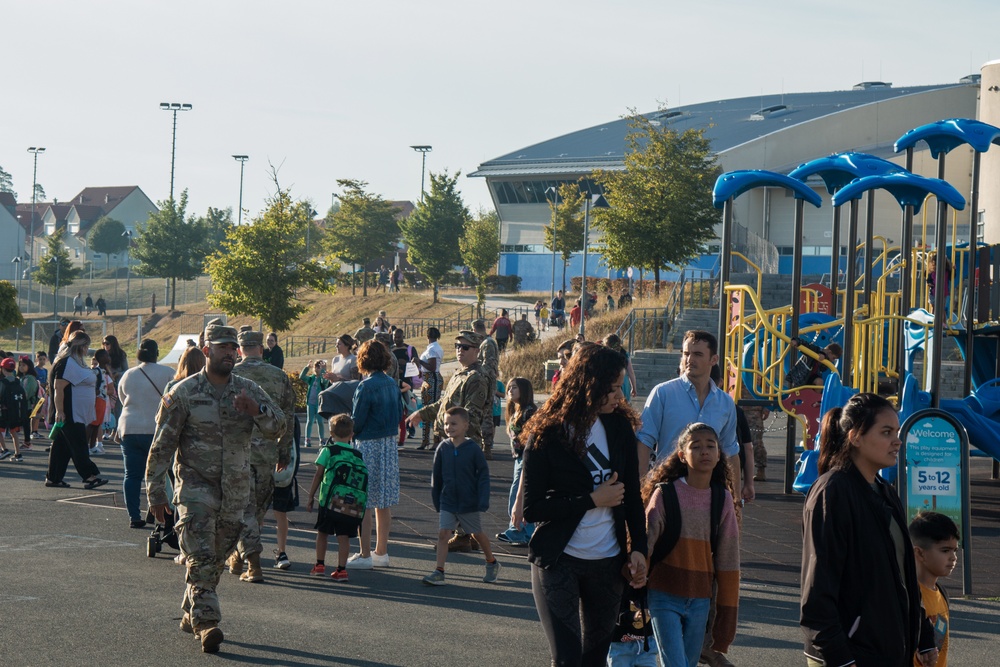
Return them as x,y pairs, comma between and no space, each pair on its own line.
315,383
88,304
78,304
430,362
489,356
503,330
205,423
102,307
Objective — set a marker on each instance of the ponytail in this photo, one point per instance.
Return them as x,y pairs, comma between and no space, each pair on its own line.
832,440
857,417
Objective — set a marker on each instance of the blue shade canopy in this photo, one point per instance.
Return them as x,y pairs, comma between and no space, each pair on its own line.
735,183
944,135
907,188
840,169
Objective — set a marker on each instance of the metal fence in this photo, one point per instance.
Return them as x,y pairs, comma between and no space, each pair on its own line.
756,248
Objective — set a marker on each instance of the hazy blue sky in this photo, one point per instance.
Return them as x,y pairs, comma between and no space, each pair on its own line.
330,90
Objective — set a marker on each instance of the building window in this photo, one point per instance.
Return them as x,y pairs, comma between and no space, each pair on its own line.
533,192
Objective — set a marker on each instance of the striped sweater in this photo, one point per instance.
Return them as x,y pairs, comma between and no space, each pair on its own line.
688,570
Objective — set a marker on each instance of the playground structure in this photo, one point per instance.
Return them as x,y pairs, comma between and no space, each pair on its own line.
883,312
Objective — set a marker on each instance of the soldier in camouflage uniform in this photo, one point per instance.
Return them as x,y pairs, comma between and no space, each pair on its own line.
755,419
203,428
365,332
489,356
266,455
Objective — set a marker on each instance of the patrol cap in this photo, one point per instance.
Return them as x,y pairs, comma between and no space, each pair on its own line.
250,338
220,333
469,337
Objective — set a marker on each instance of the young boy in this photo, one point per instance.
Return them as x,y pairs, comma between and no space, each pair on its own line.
460,490
935,548
808,371
330,471
11,423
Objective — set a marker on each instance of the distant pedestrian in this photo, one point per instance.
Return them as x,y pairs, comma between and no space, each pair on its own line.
383,279
503,330
88,303
78,304
102,307
152,304
273,354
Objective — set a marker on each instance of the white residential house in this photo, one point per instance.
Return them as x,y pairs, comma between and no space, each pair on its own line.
12,237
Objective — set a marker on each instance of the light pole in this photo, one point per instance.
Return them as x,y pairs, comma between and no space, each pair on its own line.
592,201
552,194
423,150
128,267
34,150
17,276
174,107
242,159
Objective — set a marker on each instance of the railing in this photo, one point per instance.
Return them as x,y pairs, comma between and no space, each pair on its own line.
416,327
645,328
309,346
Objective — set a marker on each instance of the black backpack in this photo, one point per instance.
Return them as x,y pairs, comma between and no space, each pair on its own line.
672,524
13,402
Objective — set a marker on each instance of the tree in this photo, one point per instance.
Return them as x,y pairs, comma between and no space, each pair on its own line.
10,314
170,246
364,228
7,182
263,267
217,223
661,211
567,222
480,246
106,237
432,231
56,270
39,192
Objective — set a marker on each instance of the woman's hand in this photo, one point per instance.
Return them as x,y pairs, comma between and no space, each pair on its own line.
610,493
637,569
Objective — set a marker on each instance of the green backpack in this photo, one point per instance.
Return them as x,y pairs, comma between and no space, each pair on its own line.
347,475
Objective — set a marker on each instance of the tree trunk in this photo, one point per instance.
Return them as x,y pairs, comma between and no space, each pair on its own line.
565,263
656,276
364,281
435,284
354,279
173,293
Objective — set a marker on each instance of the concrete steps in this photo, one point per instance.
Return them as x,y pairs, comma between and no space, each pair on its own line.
653,367
706,319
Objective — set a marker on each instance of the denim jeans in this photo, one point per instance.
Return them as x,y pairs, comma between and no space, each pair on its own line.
135,451
632,654
679,627
312,414
524,533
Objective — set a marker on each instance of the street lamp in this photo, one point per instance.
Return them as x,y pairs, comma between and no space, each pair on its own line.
592,201
423,150
128,267
174,107
242,159
34,150
17,276
552,194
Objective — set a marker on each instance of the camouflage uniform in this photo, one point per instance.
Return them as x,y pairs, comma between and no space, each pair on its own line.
489,357
363,334
523,332
264,452
467,388
755,419
200,432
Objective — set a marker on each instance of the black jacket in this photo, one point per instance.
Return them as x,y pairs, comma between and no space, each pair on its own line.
854,605
557,488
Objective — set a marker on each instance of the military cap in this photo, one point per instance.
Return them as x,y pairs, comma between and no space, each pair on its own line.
470,337
220,333
250,338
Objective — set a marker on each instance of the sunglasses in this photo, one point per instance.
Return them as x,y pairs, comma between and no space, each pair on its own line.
463,348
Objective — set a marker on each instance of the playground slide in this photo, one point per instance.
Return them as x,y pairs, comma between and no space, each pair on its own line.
978,413
984,355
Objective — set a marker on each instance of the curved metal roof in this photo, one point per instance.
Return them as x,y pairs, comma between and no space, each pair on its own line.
727,123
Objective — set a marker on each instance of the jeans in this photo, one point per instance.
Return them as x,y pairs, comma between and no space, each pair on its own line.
135,451
577,602
312,414
632,654
524,533
679,627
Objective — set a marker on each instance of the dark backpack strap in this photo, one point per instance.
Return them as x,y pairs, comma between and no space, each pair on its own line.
718,500
671,524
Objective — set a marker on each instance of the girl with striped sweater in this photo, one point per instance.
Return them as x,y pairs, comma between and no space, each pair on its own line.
680,585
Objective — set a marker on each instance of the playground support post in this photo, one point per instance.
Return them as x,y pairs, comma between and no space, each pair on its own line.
970,280
905,255
852,277
835,261
940,289
793,332
869,242
726,260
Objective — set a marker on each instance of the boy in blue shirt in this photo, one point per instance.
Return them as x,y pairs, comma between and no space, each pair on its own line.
460,490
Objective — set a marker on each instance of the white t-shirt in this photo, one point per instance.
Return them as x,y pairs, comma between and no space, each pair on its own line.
595,537
433,351
84,382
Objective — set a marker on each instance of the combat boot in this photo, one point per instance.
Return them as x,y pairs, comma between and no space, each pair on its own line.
235,563
461,543
210,637
254,573
186,624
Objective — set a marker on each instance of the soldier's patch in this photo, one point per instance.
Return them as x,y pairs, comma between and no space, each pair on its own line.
167,401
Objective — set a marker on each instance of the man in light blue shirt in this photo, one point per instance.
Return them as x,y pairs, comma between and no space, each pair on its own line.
692,397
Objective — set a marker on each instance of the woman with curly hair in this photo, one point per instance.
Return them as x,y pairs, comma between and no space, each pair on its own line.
701,556
581,488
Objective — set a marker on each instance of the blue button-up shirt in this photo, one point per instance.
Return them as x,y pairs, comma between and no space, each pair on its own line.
673,405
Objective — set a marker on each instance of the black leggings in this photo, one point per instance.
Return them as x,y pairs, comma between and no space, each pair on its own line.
71,442
577,601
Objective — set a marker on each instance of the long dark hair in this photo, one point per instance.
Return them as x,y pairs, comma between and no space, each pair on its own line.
575,401
673,467
839,424
525,398
115,352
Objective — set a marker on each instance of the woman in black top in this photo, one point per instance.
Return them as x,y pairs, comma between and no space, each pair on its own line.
273,354
581,488
860,599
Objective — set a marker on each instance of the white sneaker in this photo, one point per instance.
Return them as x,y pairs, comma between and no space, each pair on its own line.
99,449
380,561
359,562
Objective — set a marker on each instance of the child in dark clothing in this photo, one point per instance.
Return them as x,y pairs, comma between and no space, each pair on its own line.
460,490
808,371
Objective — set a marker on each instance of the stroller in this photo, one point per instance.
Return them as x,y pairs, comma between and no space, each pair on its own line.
163,533
557,318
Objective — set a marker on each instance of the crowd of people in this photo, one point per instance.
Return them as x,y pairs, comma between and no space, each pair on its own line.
631,520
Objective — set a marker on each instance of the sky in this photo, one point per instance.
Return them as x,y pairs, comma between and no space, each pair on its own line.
328,90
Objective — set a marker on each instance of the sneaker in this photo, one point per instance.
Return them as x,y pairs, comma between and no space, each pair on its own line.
359,562
34,434
25,445
281,561
339,575
435,578
99,449
107,436
318,570
18,458
4,454
492,572
380,561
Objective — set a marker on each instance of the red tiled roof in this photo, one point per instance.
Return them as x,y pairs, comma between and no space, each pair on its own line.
104,197
405,208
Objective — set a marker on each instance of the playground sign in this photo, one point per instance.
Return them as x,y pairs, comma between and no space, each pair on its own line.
820,301
934,472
